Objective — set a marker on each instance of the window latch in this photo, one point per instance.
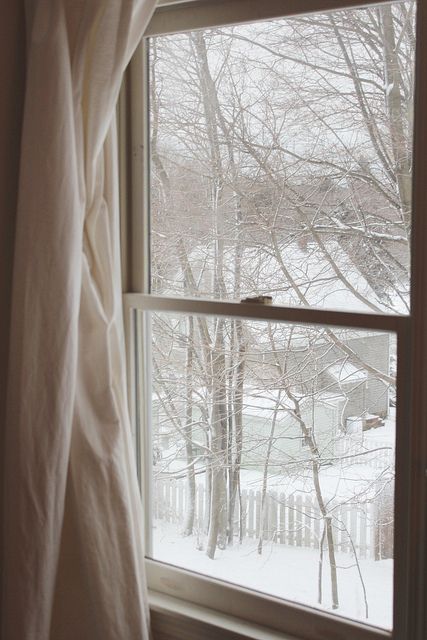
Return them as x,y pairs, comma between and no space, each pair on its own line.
258,299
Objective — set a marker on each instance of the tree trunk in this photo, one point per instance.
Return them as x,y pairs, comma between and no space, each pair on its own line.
238,429
265,474
319,581
188,432
397,115
218,504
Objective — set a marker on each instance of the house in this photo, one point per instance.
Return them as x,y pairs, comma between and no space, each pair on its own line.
336,396
319,367
290,448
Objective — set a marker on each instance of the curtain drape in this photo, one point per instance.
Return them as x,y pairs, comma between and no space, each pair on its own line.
73,557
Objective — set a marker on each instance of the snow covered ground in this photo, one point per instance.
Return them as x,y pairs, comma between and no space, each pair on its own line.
385,434
291,572
285,572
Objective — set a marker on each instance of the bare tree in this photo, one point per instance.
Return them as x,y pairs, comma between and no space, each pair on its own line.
281,165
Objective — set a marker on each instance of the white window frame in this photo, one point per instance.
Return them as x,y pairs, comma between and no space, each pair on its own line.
193,592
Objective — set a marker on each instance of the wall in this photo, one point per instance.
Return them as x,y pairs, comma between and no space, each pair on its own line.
12,75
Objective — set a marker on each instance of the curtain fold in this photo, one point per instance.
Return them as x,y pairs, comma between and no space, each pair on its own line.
73,557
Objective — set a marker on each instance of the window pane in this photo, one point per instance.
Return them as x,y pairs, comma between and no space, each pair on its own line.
281,160
273,458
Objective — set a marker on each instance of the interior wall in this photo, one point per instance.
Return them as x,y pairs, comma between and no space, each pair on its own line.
12,78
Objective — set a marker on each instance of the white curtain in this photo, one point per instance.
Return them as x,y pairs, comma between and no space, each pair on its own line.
73,556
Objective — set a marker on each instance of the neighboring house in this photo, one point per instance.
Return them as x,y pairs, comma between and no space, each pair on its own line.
336,397
317,367
270,418
365,392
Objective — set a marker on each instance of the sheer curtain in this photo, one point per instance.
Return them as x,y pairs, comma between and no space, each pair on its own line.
73,558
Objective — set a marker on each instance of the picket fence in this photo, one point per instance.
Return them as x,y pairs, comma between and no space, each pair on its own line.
374,454
295,520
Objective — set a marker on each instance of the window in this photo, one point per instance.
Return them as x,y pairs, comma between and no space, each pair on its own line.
275,311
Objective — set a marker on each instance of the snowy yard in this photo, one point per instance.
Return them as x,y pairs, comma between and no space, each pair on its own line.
286,572
289,570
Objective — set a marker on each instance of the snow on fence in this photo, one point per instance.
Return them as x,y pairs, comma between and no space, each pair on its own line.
293,520
375,454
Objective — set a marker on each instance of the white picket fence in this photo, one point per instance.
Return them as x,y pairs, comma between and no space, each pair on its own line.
292,520
374,454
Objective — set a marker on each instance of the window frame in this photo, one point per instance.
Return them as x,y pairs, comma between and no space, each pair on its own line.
410,489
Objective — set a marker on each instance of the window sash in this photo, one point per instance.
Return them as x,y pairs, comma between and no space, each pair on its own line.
411,443
295,620
183,583
275,313
174,16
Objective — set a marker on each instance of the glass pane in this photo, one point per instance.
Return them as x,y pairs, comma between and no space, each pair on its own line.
273,458
281,156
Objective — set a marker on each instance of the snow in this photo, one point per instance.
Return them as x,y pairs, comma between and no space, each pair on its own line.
357,481
291,572
316,277
382,436
309,268
389,88
347,372
286,572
